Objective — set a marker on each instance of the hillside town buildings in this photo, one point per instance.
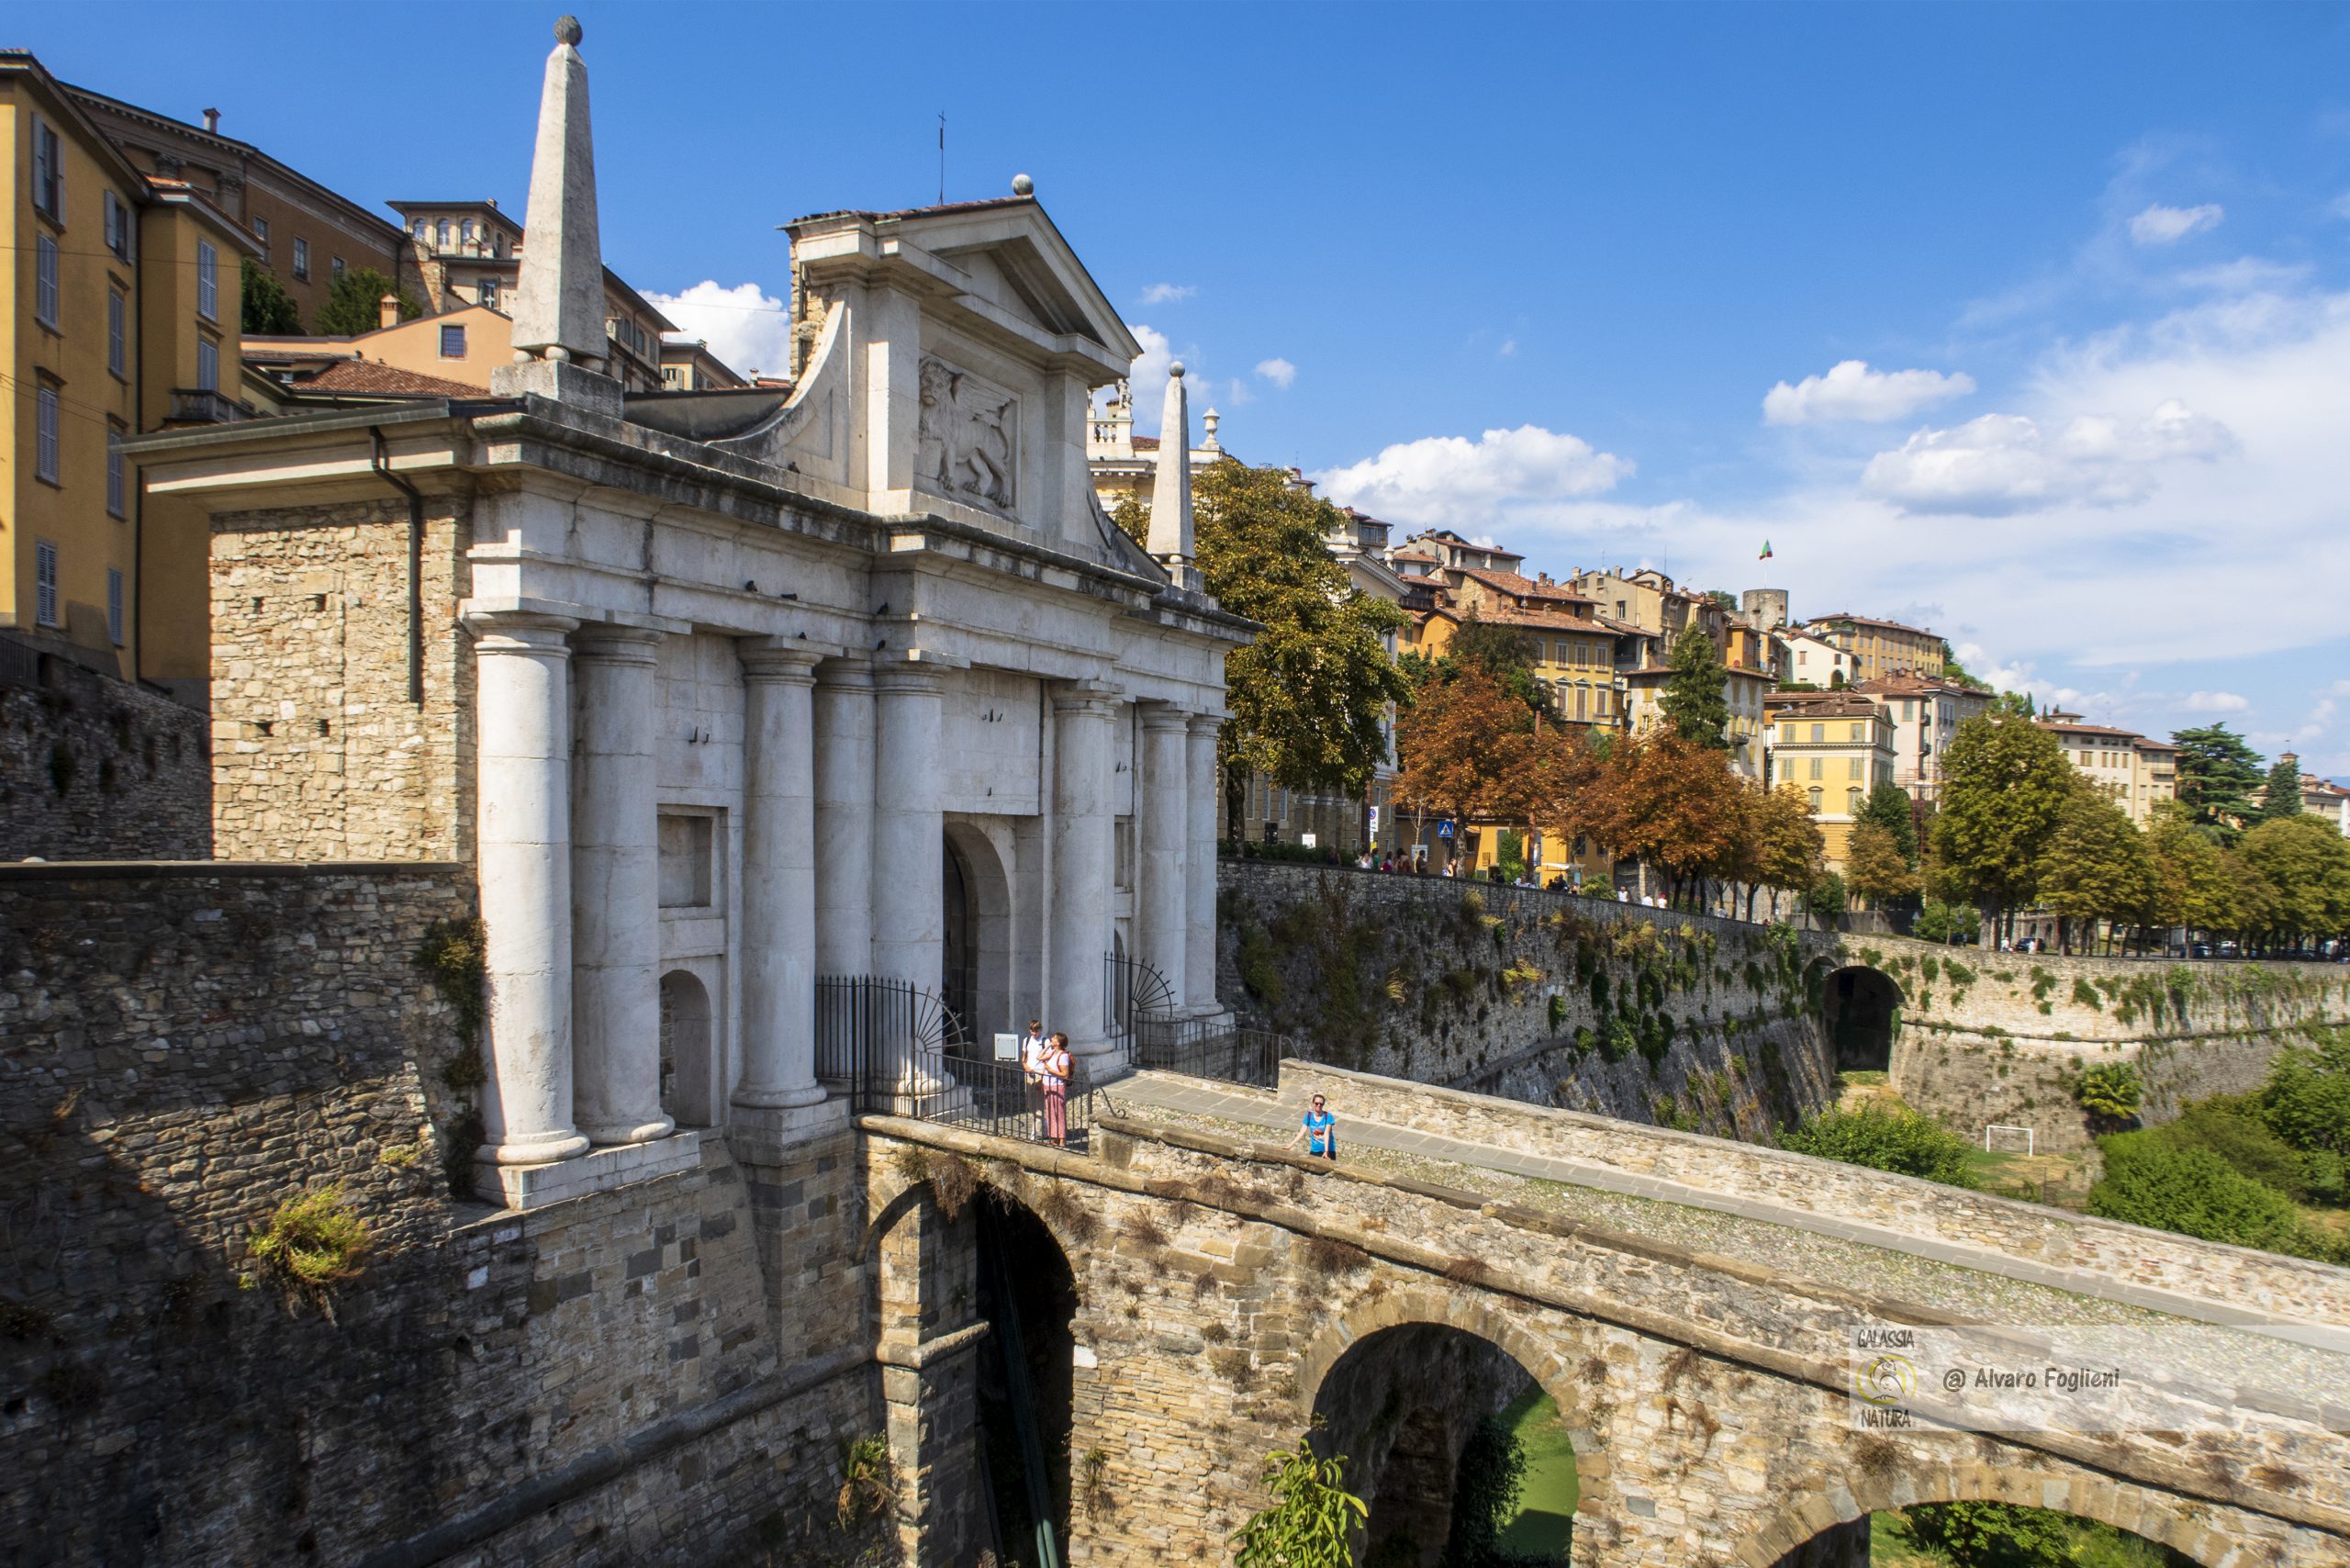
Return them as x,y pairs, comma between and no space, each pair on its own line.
2133,771
1926,711
1836,747
1881,649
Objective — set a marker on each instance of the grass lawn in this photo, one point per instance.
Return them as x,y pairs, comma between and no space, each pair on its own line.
1546,1508
2063,1180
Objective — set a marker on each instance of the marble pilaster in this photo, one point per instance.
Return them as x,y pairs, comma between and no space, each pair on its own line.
1161,825
1082,850
1199,890
778,944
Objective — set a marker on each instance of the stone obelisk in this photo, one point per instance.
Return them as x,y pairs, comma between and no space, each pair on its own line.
559,344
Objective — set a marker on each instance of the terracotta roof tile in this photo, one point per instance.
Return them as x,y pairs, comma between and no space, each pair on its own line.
373,378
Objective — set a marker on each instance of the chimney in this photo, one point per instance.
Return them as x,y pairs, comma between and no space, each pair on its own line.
212,121
388,310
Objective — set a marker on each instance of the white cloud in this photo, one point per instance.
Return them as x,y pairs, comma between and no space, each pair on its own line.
745,326
1452,481
2342,205
1277,370
2001,464
2160,225
1851,390
2214,702
1167,293
1508,349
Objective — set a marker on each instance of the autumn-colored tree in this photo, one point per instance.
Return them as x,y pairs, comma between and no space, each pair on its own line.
1466,749
2097,866
1500,653
1875,868
1788,847
1309,697
1673,803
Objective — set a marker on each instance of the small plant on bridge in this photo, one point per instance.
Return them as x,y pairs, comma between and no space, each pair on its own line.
2110,1092
1313,1518
868,1481
310,1245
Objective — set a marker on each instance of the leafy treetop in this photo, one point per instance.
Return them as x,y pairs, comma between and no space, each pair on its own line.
354,305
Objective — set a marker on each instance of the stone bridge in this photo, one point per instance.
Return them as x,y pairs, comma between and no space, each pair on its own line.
1190,1298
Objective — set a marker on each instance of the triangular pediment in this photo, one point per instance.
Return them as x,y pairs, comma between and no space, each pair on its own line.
1017,260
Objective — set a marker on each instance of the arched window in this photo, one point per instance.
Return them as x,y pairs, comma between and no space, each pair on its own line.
465,231
441,235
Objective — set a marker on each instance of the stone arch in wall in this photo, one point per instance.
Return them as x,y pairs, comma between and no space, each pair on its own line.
1859,1015
976,980
1399,1385
1807,1532
688,1043
1025,1381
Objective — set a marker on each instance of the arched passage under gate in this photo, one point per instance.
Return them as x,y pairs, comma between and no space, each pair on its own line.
1860,1009
1426,1413
976,955
2108,1523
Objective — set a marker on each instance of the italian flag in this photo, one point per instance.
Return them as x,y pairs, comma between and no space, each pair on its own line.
1766,551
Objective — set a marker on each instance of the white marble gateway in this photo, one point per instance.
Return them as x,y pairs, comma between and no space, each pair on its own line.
848,677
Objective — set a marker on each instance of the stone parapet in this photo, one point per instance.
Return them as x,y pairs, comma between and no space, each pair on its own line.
93,766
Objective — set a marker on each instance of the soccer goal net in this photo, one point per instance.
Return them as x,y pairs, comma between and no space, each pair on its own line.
1998,1139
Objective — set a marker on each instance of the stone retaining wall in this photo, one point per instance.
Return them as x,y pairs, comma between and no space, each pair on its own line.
2209,1270
96,768
621,1378
1613,1008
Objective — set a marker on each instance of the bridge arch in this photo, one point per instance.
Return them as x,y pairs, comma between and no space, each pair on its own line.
1860,1009
2140,1511
1400,1383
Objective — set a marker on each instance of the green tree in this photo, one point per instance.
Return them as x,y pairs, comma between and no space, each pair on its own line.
1884,1137
266,309
1492,1474
1940,922
1991,1535
2308,864
2152,1180
1310,1520
2192,887
1693,697
1309,697
2217,774
2306,1101
2109,1091
1890,808
1131,514
2281,796
2015,703
354,305
2005,786
2097,866
1954,670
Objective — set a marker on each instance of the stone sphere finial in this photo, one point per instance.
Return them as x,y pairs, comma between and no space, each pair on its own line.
567,31
1022,185
1176,370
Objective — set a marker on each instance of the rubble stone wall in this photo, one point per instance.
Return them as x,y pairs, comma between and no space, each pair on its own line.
616,1379
319,754
97,769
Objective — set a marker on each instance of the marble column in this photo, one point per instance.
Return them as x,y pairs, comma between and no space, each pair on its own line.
843,725
1161,825
1082,847
1199,888
909,834
522,780
616,889
778,943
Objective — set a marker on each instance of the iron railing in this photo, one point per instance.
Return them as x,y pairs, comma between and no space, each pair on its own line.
898,1051
1132,993
1205,1048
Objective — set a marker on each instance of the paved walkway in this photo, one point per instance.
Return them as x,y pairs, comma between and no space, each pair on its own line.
1201,1097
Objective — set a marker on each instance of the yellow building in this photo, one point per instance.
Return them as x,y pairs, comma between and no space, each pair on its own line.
1836,748
2134,772
1572,651
1879,649
124,314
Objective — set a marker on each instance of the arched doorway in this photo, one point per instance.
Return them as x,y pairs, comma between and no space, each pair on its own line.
975,957
688,1093
1859,1013
1028,1292
1428,1417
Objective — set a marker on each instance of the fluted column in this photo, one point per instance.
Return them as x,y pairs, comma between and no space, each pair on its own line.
616,889
779,878
522,781
1162,823
1199,888
909,834
1082,862
844,724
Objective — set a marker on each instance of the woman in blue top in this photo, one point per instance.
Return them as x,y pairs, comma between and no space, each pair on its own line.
1322,1128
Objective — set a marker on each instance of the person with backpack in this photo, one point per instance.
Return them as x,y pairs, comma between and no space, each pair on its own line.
1321,1129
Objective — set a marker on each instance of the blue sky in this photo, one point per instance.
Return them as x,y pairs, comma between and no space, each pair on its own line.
1541,273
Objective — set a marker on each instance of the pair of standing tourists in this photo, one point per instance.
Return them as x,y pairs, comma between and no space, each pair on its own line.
1045,1062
